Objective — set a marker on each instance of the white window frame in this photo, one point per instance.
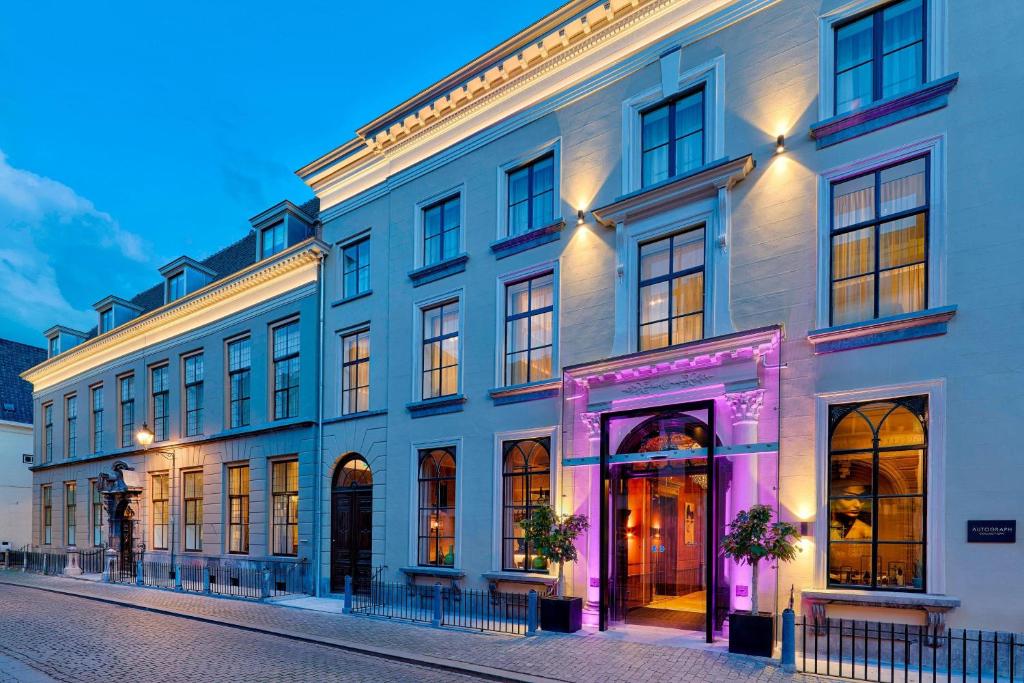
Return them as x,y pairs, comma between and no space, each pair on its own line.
455,443
553,147
497,499
935,467
350,330
501,303
936,42
419,307
457,190
709,75
631,234
342,245
935,148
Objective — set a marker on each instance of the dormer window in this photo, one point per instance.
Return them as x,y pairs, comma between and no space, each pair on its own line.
59,339
53,347
175,287
184,275
273,240
106,320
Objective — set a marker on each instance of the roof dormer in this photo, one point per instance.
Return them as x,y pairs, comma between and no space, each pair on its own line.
115,311
280,227
59,339
183,276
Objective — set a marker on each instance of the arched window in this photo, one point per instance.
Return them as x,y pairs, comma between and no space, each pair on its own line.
526,479
877,494
352,472
437,507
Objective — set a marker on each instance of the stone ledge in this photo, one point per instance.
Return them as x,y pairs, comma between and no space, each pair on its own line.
436,406
927,323
927,97
894,599
528,240
532,391
436,271
354,297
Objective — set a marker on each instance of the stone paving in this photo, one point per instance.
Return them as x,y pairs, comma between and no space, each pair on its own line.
553,656
67,639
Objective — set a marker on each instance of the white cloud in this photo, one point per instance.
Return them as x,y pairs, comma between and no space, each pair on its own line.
51,240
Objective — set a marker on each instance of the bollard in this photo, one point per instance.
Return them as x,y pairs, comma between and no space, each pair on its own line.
139,579
46,558
788,640
436,620
531,613
177,577
206,579
24,561
7,559
266,583
347,607
108,573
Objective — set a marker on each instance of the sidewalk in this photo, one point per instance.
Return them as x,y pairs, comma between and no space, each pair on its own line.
584,658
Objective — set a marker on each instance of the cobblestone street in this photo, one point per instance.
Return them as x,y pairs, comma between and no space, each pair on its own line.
73,638
70,639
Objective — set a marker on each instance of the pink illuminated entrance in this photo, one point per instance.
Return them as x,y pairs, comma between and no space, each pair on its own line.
661,449
657,521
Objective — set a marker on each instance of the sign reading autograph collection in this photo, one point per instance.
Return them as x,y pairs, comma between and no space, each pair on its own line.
991,531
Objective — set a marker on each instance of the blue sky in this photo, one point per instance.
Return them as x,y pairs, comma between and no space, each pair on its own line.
134,132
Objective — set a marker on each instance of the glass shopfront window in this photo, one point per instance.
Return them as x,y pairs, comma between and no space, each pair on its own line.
877,494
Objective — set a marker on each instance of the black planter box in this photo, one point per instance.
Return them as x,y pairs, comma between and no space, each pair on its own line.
751,634
564,615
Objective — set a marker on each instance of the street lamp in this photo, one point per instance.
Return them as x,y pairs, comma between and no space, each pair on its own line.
145,437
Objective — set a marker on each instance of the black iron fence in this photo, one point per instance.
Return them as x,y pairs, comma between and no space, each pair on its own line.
254,579
50,562
901,653
482,610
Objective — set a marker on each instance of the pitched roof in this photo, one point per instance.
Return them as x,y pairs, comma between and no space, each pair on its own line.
225,262
16,393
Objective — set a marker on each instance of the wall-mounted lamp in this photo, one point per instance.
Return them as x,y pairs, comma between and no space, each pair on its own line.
807,528
780,144
579,217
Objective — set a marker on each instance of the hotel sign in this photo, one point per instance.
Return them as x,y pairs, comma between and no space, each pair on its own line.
662,382
991,531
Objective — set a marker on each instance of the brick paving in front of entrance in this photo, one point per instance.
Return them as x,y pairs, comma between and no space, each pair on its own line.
552,656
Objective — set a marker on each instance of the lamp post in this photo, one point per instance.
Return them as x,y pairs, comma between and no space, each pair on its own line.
145,437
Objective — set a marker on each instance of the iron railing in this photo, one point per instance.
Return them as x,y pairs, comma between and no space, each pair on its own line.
254,579
902,653
481,610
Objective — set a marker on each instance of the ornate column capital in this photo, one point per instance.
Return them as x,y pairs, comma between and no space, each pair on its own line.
592,421
745,406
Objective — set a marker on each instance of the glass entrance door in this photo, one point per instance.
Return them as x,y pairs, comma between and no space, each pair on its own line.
658,571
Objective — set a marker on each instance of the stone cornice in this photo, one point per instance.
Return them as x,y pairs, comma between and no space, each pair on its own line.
301,255
562,48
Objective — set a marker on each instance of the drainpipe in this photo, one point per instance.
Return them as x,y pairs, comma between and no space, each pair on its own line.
319,428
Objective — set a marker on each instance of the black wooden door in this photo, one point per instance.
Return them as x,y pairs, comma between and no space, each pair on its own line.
351,537
127,559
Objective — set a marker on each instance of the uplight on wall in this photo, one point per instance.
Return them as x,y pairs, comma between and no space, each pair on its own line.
780,144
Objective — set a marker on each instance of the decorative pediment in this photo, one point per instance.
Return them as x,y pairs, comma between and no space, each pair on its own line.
705,181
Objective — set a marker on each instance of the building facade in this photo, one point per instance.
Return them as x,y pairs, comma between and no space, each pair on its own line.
202,388
16,443
654,262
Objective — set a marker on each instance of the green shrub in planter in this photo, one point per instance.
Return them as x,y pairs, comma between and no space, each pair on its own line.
554,536
754,537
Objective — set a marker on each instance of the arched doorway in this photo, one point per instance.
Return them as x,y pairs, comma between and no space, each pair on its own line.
661,552
351,524
124,520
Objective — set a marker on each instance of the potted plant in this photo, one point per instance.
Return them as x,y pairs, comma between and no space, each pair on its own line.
754,537
553,537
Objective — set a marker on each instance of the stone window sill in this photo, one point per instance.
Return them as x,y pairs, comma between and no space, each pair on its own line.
532,391
928,97
881,598
521,577
437,406
354,297
355,416
451,573
436,271
928,323
528,240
